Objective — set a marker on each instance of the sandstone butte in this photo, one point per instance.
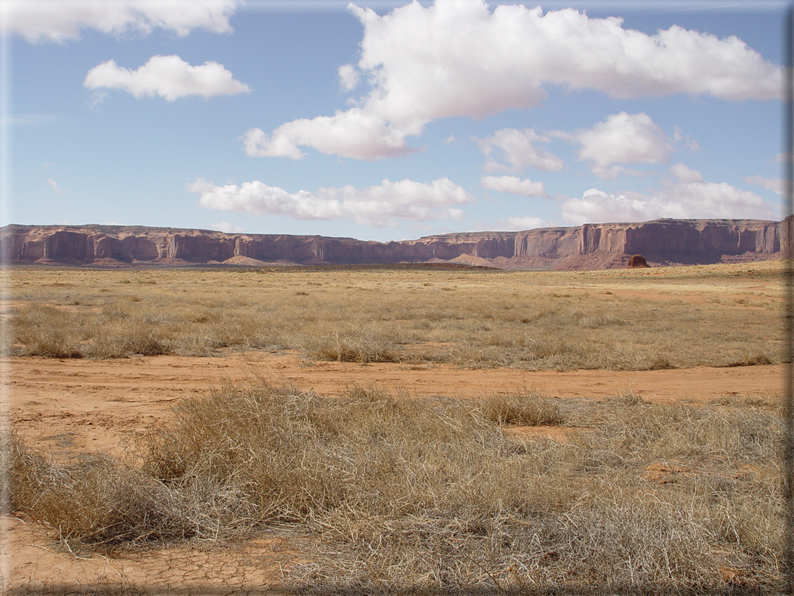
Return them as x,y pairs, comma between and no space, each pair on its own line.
590,246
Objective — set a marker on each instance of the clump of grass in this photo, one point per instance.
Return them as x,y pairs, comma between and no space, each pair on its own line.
361,347
125,339
49,332
748,359
97,500
764,401
121,330
410,495
524,408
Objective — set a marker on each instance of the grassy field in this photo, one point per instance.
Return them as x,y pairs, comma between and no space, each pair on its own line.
399,494
615,320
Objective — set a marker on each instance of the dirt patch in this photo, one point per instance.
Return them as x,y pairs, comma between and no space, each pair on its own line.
665,472
63,407
100,404
35,564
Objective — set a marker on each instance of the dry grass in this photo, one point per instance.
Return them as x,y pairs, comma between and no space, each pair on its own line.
96,500
525,408
409,495
617,320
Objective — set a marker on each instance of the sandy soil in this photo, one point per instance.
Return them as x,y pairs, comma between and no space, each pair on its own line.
67,406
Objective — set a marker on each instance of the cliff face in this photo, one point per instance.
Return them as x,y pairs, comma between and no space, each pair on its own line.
591,246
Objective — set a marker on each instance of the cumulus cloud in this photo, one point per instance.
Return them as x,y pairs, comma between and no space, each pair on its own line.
348,77
227,228
425,68
681,200
613,172
682,173
518,150
354,133
54,185
623,138
421,67
776,185
58,20
523,223
513,184
376,206
169,77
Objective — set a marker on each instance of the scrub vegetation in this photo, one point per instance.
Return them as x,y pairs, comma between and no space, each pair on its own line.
617,320
390,493
430,495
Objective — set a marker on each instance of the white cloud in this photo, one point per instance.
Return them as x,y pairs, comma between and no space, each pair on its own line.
421,66
776,185
58,20
683,173
523,223
623,138
97,98
513,184
227,228
682,200
376,206
167,76
686,139
518,151
54,185
781,157
348,77
425,68
613,172
355,133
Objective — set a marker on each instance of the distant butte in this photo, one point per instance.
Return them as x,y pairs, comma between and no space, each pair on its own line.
662,242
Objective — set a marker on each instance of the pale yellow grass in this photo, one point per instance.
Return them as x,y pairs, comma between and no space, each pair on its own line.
429,495
726,315
401,494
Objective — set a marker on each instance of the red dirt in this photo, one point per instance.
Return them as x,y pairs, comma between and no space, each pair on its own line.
63,407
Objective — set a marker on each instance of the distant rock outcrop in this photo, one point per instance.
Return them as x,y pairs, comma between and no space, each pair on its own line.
591,246
637,262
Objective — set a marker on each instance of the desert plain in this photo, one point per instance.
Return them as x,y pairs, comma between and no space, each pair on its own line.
393,429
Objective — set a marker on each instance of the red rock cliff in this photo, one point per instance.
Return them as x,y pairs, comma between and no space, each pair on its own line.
591,246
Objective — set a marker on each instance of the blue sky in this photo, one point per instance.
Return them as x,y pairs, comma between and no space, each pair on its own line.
387,121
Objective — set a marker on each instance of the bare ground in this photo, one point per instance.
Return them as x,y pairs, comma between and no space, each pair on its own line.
65,407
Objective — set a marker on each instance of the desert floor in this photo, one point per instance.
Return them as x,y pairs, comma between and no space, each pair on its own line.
67,406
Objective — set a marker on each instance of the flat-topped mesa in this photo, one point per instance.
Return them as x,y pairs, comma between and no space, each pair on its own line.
590,246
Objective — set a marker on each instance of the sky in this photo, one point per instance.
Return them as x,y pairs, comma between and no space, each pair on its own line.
389,120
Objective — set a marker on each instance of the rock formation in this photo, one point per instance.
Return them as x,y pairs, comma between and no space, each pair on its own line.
591,246
637,262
